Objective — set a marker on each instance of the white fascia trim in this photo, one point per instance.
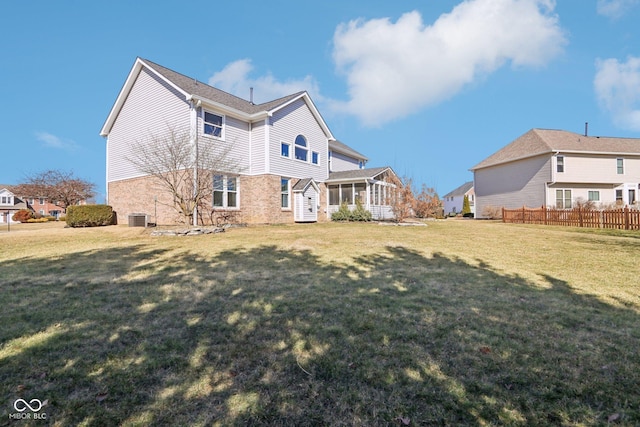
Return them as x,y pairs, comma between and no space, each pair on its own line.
307,99
126,88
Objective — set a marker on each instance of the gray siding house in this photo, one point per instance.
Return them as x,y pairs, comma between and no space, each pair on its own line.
284,152
454,200
557,168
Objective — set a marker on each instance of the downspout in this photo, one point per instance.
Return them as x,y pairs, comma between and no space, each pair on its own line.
193,115
554,171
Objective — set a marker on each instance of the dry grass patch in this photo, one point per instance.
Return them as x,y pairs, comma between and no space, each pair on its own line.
456,323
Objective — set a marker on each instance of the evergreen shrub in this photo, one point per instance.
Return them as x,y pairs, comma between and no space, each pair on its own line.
89,216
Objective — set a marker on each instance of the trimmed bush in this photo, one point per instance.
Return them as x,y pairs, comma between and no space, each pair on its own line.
359,213
89,216
342,214
23,215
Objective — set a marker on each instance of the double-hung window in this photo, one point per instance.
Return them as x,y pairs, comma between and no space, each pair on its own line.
314,157
301,150
594,196
285,187
225,191
620,166
213,124
563,199
560,164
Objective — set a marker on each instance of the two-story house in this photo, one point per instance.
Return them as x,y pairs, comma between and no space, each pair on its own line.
454,200
557,168
9,205
287,162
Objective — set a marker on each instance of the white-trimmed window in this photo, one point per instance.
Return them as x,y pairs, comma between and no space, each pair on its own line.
560,164
285,149
285,191
225,191
41,200
213,124
594,196
620,166
301,150
563,199
315,157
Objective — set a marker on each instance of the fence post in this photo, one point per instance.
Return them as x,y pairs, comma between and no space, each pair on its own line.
544,214
503,218
523,213
626,217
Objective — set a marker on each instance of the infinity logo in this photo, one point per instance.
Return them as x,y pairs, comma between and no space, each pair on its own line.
21,405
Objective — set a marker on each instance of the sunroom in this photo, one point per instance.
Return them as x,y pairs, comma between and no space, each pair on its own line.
373,188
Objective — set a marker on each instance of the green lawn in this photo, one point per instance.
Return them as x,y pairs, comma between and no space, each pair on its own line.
456,323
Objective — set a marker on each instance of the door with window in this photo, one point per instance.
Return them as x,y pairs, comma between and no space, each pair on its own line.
306,209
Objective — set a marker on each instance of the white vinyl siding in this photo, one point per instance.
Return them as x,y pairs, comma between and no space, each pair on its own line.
286,124
513,185
152,106
235,147
306,205
341,162
597,169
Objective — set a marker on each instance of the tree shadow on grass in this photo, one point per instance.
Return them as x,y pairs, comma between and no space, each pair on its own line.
267,336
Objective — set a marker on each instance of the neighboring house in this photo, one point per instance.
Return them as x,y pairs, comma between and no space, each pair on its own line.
287,156
9,205
453,201
557,168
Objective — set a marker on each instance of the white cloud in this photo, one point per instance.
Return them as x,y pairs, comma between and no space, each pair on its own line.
615,9
234,78
392,69
52,141
617,87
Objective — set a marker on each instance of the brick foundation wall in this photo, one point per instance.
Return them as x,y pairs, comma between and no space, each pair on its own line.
259,201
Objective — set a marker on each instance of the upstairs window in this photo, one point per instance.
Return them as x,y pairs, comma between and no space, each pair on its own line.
314,157
301,149
560,164
285,150
620,165
213,124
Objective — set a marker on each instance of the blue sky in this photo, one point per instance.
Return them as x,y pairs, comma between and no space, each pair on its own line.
430,88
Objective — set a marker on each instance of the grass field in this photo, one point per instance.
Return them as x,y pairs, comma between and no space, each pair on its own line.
456,323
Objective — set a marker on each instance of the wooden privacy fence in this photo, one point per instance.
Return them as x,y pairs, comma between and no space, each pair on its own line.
622,219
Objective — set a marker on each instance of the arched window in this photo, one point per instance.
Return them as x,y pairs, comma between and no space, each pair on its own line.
301,150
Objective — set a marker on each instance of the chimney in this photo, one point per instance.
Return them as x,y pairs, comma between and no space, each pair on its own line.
586,128
251,95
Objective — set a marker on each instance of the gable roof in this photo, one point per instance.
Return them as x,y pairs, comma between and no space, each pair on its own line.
358,174
345,149
546,141
460,191
192,89
303,184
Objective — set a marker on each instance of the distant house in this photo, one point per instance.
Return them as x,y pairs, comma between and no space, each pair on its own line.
9,205
453,200
557,168
291,167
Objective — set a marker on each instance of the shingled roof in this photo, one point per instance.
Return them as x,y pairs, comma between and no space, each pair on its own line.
357,174
194,87
345,149
460,191
543,141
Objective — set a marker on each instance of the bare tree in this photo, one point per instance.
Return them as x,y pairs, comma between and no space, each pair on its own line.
183,167
401,199
427,203
58,187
